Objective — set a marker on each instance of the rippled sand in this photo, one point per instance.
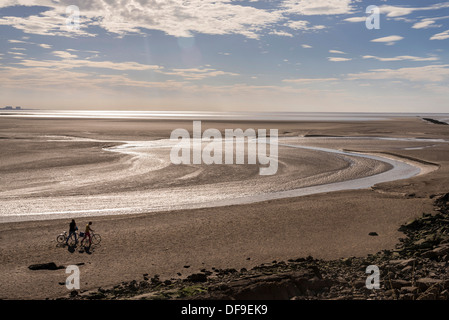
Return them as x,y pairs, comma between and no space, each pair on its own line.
53,176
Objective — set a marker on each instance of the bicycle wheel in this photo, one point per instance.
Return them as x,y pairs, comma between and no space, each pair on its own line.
60,238
72,240
96,239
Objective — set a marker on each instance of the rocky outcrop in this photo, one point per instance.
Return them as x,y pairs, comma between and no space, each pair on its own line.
434,121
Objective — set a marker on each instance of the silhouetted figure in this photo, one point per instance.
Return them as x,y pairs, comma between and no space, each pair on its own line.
72,230
87,233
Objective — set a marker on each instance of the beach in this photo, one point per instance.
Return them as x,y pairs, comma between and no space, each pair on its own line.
178,242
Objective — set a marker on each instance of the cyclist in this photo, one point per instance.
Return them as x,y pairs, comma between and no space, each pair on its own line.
87,233
72,230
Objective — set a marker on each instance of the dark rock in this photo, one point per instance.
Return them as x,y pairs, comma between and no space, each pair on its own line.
409,289
407,296
434,121
414,224
425,283
197,277
403,263
398,284
444,295
155,280
45,266
373,234
437,252
430,294
422,244
346,261
206,272
227,271
359,284
316,272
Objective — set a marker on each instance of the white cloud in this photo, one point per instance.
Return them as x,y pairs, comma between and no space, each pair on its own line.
64,55
310,80
395,11
47,23
355,19
336,51
178,18
440,36
16,41
45,46
428,23
42,45
281,33
68,61
338,59
424,24
16,53
402,58
303,25
53,80
306,46
197,73
431,73
319,7
388,40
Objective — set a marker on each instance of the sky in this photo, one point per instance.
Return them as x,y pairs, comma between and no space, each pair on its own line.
225,55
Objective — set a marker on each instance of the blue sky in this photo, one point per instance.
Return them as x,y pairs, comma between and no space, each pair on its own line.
225,55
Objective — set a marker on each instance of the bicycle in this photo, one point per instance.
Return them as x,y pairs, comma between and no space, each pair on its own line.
62,238
95,237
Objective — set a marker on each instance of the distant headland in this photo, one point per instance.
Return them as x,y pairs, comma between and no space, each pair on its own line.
11,108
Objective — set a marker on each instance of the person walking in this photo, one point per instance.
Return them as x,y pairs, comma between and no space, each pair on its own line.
87,233
72,230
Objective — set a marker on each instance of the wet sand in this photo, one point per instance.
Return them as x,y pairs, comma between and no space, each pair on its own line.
328,226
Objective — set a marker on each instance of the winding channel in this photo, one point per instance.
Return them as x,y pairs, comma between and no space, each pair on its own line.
107,205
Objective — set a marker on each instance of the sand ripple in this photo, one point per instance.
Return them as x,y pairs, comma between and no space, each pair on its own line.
142,179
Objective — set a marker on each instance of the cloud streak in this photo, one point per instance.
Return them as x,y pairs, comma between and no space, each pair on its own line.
390,40
440,36
430,73
401,58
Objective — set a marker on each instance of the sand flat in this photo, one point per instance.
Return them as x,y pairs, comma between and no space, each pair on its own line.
329,225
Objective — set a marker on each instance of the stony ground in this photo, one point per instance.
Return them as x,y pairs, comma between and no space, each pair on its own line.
418,269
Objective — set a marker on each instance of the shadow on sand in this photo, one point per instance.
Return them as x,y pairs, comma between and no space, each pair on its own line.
82,248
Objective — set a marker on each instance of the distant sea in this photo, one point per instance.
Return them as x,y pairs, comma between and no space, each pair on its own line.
206,115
